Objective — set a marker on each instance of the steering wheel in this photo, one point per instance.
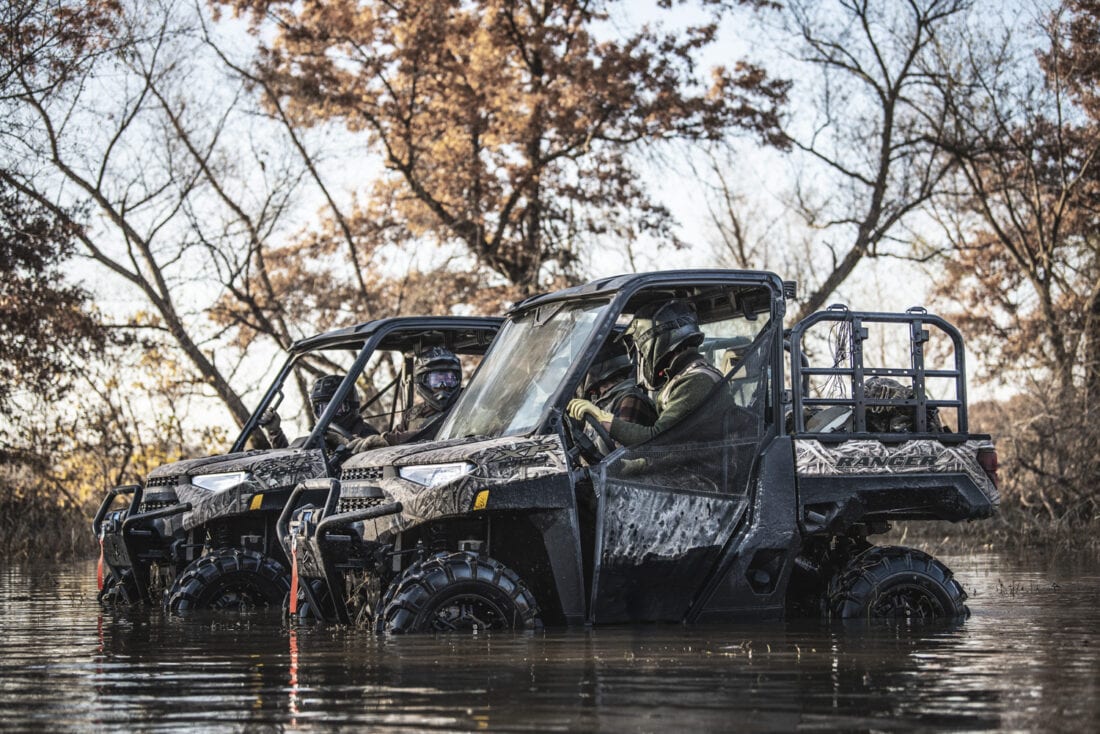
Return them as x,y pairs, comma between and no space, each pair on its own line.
586,447
599,429
338,434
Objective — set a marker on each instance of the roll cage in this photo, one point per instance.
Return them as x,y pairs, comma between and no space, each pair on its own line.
755,294
401,334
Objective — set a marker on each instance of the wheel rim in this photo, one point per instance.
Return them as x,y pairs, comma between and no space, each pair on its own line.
907,601
468,612
238,598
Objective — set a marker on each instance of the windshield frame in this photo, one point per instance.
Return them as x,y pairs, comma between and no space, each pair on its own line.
464,334
622,291
460,417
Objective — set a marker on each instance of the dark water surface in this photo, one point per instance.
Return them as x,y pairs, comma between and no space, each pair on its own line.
1028,659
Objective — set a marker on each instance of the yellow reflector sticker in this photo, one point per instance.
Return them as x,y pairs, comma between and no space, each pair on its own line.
256,500
481,500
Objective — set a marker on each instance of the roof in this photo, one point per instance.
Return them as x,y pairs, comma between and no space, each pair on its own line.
634,281
404,332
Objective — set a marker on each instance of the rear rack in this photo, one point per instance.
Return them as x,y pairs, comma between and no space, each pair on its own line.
915,375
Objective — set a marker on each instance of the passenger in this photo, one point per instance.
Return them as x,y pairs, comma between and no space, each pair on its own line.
612,386
666,339
347,416
437,377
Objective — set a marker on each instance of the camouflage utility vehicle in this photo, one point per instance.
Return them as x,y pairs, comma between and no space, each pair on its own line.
200,533
760,503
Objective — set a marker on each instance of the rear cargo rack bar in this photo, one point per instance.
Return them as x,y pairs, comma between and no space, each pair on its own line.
915,375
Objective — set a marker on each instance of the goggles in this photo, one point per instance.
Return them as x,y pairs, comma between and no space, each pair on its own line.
319,408
441,379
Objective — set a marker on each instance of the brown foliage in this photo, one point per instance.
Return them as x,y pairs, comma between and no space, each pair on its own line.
506,126
1074,58
1047,451
48,40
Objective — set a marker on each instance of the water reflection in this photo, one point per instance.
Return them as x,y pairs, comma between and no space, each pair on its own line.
1026,659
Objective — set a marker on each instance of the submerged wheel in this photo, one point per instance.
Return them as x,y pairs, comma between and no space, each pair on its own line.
457,591
120,590
893,582
306,613
231,579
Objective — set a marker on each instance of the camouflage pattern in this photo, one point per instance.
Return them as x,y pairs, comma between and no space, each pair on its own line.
268,470
495,462
894,418
655,524
862,457
191,467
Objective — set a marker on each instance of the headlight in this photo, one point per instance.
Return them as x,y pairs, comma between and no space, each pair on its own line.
219,482
431,475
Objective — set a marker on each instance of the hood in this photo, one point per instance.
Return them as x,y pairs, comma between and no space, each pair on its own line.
268,467
532,469
491,457
278,469
191,467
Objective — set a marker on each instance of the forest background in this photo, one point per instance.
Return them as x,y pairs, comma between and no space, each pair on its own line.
188,187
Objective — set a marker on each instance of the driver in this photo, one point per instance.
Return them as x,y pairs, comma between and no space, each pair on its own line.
612,386
666,338
347,415
437,376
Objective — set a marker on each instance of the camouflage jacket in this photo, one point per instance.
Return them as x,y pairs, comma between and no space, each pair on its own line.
418,423
682,395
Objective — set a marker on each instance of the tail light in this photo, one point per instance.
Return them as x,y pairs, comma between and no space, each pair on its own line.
987,459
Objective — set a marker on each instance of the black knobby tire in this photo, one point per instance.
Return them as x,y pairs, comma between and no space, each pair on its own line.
120,590
457,591
893,582
231,579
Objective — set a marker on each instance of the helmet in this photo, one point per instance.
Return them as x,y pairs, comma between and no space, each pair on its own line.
437,373
659,330
608,366
323,390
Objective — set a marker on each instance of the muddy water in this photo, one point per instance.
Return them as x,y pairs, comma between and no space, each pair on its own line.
1027,659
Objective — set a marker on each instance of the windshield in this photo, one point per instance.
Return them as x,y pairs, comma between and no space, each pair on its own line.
523,370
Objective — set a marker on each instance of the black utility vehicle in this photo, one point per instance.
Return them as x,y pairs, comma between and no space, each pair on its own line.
758,504
201,533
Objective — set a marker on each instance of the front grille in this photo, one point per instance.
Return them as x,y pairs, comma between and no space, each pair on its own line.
354,504
362,472
154,505
161,482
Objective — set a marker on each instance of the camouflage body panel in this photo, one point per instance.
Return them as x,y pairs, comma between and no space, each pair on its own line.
191,467
664,525
869,457
496,462
267,470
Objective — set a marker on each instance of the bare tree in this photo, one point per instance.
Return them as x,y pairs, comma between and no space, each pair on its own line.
1023,272
868,157
146,172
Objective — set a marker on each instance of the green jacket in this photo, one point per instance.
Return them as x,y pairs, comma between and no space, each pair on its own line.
682,395
416,420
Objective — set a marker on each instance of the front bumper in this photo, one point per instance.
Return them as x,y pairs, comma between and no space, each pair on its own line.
324,542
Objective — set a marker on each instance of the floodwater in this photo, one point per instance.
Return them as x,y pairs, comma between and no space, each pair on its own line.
1027,659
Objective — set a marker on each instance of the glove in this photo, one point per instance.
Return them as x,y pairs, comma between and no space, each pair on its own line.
577,409
269,420
366,443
